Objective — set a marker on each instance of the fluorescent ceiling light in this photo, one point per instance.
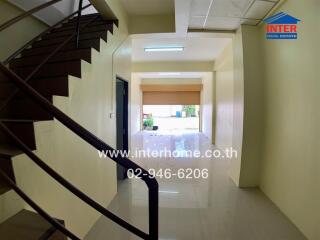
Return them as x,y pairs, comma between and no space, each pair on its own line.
163,49
169,74
170,192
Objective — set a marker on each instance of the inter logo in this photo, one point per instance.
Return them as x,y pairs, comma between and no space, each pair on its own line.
282,26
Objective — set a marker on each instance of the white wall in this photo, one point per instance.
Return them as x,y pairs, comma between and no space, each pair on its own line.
224,98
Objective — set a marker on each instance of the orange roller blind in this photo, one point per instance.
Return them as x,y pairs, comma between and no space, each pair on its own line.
171,94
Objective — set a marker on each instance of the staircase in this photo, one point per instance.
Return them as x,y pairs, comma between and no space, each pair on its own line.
35,73
28,225
21,112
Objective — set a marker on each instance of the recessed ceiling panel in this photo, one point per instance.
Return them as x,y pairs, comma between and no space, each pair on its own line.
222,23
196,22
200,7
259,9
229,8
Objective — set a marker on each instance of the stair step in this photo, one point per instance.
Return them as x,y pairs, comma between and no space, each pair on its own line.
93,43
86,16
84,19
8,151
23,129
3,78
59,40
98,21
83,25
67,32
6,88
20,109
58,86
76,54
52,70
27,225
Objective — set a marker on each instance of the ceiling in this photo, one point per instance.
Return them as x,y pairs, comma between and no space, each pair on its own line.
148,7
195,49
228,14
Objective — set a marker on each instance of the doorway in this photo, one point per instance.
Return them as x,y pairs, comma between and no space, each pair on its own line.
122,101
171,118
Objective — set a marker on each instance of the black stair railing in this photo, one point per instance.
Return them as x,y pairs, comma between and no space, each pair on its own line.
22,84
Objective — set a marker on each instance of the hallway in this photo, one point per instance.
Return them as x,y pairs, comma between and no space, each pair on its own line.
194,209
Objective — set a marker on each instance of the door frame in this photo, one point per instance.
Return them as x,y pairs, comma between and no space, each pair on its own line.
125,121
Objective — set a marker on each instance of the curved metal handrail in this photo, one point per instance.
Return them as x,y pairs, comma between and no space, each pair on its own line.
16,53
150,181
26,14
97,143
70,186
55,51
36,207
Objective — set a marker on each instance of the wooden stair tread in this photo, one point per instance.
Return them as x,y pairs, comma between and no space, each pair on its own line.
9,151
25,225
68,55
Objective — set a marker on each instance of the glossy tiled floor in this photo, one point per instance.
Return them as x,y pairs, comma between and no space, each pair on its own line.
194,209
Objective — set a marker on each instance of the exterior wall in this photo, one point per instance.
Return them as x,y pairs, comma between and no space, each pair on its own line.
20,33
224,98
290,165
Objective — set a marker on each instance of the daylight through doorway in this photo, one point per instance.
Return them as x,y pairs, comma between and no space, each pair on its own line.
161,118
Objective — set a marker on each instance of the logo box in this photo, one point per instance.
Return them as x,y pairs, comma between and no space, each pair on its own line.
282,26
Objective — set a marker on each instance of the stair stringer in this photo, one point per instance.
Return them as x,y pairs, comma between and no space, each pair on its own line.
90,102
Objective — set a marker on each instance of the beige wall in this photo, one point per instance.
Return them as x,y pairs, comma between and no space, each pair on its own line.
238,105
136,104
174,81
291,161
207,105
10,40
152,24
277,88
224,98
90,103
172,66
253,108
20,33
248,107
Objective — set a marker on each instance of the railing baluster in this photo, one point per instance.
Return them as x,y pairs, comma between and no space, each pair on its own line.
26,14
78,23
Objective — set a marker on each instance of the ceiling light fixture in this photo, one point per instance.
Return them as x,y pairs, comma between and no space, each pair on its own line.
163,49
169,74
